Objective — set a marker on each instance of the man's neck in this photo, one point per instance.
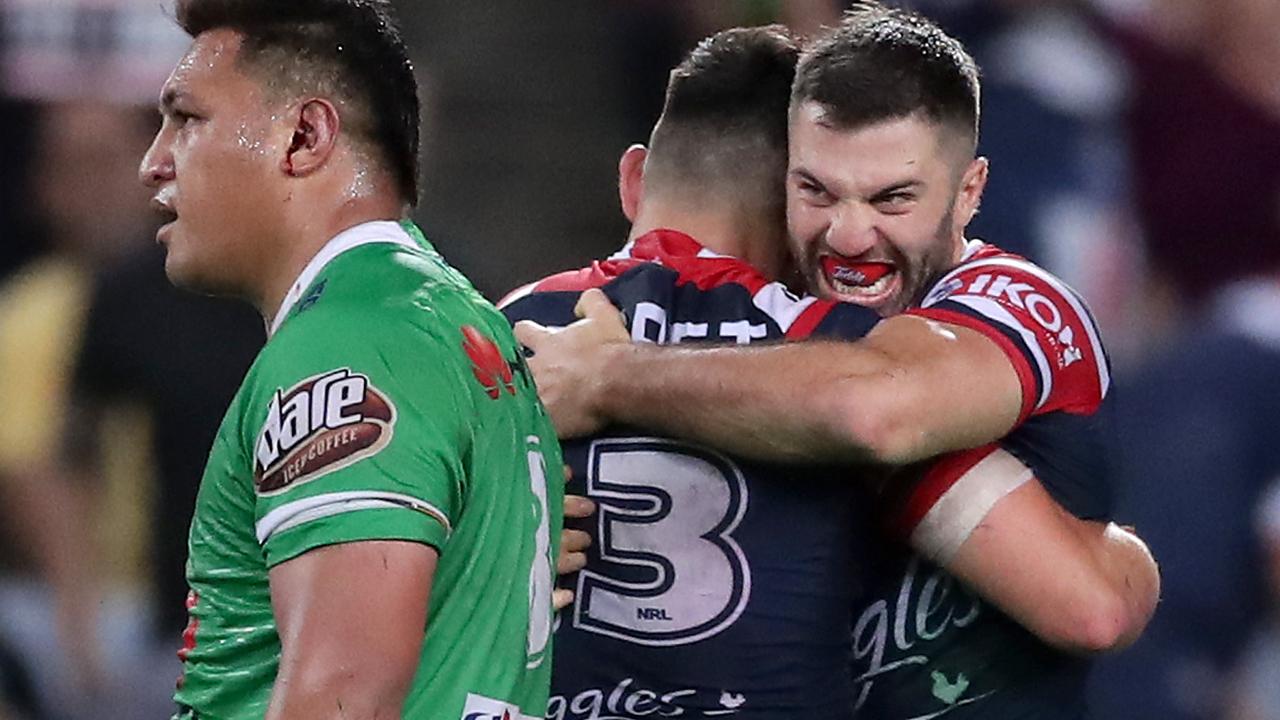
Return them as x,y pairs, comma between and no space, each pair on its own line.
306,241
719,231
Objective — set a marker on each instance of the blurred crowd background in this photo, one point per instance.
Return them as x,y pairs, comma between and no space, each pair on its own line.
1135,151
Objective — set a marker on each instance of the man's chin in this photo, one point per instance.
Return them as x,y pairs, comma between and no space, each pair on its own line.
186,275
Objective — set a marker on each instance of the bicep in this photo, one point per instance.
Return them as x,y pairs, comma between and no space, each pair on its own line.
946,387
351,619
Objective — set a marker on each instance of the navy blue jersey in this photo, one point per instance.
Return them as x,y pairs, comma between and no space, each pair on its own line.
716,587
924,646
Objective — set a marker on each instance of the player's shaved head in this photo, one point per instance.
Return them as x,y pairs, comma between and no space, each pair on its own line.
723,128
349,51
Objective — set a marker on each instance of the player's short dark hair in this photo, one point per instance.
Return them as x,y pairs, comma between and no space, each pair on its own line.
351,50
725,115
885,63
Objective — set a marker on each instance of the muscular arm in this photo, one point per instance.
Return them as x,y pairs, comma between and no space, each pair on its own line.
1078,585
911,389
351,620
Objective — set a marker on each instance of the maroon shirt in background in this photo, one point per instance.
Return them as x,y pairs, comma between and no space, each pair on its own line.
1206,163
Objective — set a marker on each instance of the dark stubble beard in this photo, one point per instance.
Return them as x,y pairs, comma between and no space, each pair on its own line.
919,278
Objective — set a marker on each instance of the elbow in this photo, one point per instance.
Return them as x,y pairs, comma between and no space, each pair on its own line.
1115,611
875,431
1105,628
1120,608
1103,623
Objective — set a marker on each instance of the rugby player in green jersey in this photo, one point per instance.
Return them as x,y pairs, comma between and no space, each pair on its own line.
375,529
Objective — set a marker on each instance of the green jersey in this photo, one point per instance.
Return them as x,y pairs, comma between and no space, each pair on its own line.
391,402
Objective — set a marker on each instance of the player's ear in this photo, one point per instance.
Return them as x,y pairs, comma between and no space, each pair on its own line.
631,179
972,183
315,135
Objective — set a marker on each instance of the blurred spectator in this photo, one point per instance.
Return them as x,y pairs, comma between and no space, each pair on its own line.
90,216
1256,688
18,241
94,326
1197,430
116,51
179,358
1204,122
1052,102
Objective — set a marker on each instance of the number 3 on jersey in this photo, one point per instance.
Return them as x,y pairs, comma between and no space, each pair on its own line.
540,577
671,572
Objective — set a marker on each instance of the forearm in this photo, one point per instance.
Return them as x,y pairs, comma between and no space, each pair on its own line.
910,390
777,403
1079,586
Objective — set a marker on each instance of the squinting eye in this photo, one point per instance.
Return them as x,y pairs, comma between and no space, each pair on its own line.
810,188
897,200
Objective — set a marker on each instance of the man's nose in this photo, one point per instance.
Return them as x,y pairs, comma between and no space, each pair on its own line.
156,167
853,229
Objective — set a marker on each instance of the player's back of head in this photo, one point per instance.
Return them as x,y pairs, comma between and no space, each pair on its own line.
723,127
885,63
347,50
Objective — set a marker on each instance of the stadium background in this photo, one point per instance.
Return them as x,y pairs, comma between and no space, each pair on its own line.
1135,149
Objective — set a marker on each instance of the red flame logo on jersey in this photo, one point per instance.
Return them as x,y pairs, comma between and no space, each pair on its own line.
487,363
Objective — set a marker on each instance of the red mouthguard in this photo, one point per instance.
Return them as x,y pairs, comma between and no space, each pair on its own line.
861,274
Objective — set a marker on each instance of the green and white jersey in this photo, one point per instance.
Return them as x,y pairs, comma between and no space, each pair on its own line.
391,402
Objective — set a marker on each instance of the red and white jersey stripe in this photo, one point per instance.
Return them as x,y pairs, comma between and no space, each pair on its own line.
1041,324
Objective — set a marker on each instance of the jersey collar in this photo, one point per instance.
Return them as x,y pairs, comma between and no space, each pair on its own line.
661,244
377,231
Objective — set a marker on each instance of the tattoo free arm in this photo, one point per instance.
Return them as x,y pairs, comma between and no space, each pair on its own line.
351,619
911,389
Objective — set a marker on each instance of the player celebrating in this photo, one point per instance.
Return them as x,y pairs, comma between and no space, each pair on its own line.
882,182
688,607
374,530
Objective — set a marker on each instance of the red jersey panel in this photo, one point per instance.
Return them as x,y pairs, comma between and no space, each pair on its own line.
1040,323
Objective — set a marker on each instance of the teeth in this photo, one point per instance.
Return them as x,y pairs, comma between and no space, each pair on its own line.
874,288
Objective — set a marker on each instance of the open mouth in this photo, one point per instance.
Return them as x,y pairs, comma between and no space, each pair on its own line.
163,210
861,282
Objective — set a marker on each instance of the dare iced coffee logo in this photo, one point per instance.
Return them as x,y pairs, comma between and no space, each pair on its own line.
322,424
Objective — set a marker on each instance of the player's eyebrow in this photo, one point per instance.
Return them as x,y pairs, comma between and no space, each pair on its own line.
170,97
805,175
912,184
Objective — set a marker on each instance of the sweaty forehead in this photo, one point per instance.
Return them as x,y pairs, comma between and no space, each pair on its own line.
210,60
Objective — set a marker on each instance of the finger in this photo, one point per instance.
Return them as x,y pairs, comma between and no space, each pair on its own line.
576,506
594,304
574,541
561,598
570,563
530,334
568,473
